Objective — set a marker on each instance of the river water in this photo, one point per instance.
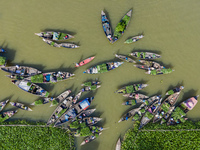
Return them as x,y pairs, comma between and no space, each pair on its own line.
171,28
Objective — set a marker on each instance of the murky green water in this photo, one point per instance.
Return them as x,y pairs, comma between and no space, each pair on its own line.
170,28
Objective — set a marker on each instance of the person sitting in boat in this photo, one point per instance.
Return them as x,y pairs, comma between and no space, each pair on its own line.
66,37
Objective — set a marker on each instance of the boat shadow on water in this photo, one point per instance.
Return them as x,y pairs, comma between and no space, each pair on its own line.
9,54
188,94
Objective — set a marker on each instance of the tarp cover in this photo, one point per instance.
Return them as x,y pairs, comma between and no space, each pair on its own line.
84,103
23,85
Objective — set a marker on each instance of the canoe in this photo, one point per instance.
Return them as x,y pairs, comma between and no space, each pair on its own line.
134,39
136,95
106,26
137,98
131,88
90,138
105,67
125,58
3,104
21,106
61,109
166,105
90,120
6,115
3,61
130,113
84,61
31,88
152,65
177,89
179,113
20,71
90,83
118,145
54,44
151,111
50,77
122,26
159,71
90,88
60,98
2,50
145,55
74,111
55,36
76,98
45,100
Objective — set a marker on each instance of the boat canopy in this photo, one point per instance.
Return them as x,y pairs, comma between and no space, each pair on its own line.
190,103
84,104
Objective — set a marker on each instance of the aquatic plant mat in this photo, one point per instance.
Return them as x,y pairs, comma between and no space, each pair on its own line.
163,137
26,136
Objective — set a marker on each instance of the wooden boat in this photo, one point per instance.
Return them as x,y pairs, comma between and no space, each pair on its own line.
20,71
145,55
177,89
3,104
61,109
6,115
151,111
106,26
130,113
90,83
125,58
45,100
118,145
74,111
21,106
152,65
105,67
159,71
84,62
121,26
131,88
31,88
91,120
90,138
76,98
179,113
50,77
60,98
2,61
90,88
2,50
166,106
135,95
65,45
55,36
134,39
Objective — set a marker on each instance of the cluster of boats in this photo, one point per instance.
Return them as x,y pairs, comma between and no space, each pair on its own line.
52,37
156,109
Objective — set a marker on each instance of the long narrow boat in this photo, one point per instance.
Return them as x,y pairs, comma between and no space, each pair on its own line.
6,115
125,58
90,88
90,138
55,36
152,65
65,45
74,111
134,39
166,106
106,26
45,100
20,71
3,104
84,62
91,120
61,109
159,71
90,83
177,89
135,95
76,98
122,26
131,88
50,77
178,115
21,106
2,61
105,67
31,88
60,98
145,55
2,50
137,98
151,111
118,145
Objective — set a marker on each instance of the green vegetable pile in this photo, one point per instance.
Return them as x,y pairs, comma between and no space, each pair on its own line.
37,78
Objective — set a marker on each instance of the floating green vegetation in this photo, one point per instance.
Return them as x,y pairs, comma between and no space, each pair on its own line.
156,136
37,78
2,60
